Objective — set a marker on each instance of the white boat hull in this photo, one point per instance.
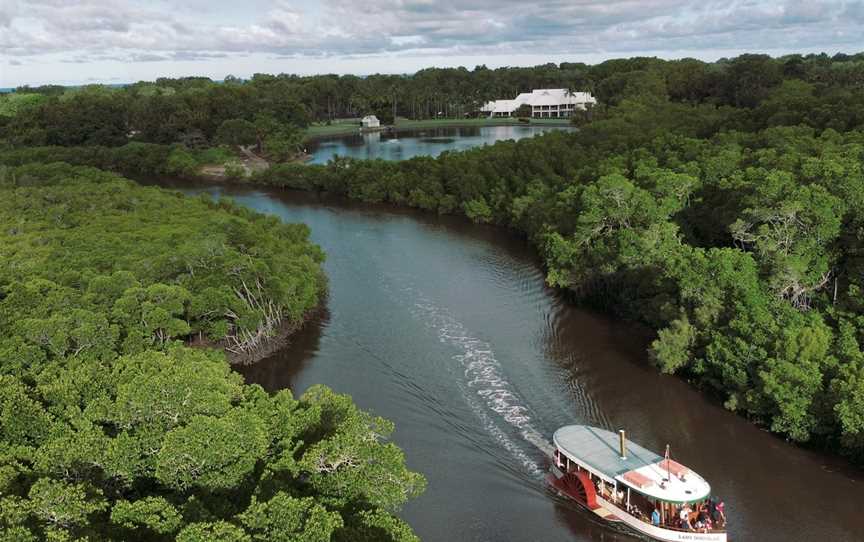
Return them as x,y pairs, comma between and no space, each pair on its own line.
659,533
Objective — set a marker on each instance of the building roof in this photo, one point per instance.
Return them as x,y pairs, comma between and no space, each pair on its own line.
642,470
501,106
548,98
539,97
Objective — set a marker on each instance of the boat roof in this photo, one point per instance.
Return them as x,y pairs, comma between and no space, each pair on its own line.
642,469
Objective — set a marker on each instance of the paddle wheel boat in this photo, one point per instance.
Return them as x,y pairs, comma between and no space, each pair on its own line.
625,484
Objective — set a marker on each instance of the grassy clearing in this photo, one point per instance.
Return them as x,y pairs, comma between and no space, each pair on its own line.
336,128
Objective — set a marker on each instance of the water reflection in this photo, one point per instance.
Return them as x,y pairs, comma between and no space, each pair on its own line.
280,370
405,144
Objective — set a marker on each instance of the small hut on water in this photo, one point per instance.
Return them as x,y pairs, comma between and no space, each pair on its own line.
370,122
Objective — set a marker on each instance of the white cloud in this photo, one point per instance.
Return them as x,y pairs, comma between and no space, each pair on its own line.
148,31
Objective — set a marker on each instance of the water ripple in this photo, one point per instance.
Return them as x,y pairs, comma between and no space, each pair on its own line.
485,389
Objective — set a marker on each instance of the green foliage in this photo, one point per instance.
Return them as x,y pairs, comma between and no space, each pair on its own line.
792,381
11,104
197,268
738,239
218,531
61,505
283,144
211,453
287,519
153,513
353,450
376,526
181,162
237,132
112,429
234,170
673,348
477,210
524,111
135,159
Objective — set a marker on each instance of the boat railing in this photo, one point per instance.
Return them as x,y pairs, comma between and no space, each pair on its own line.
642,517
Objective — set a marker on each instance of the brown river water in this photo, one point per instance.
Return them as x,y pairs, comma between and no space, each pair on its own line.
447,329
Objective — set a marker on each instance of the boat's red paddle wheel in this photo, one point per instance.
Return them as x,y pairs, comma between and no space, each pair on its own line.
575,484
580,487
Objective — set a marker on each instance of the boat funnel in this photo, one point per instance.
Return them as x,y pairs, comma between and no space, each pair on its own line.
622,441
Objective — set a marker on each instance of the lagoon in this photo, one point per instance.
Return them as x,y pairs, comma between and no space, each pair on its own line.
408,143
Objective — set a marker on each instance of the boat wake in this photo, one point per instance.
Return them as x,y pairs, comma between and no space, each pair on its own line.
487,392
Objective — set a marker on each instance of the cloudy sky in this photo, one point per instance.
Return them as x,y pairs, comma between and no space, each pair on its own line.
82,41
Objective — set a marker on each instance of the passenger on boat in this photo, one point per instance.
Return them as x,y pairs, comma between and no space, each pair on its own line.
703,513
721,513
684,515
655,518
703,522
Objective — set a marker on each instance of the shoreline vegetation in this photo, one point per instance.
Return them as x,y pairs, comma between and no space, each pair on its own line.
721,204
233,163
114,428
278,338
237,276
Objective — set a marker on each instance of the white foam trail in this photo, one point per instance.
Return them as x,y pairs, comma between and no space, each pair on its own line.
483,377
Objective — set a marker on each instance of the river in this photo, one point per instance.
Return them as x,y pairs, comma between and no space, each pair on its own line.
405,144
447,329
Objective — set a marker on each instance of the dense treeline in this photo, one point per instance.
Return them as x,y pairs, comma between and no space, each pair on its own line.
198,111
222,272
736,232
133,159
718,202
112,429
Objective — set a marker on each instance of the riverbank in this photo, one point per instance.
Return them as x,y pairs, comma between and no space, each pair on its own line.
279,339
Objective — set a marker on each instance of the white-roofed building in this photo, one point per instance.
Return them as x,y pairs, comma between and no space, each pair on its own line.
545,103
370,121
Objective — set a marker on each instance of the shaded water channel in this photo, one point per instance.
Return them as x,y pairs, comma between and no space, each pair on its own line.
405,144
447,329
